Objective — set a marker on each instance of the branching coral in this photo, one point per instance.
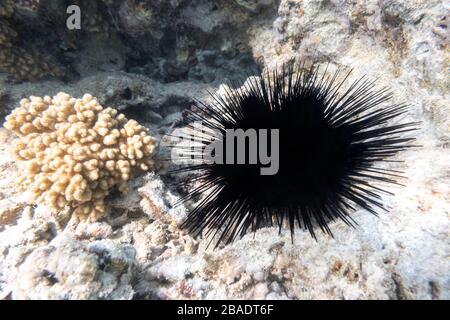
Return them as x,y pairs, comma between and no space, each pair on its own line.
25,65
7,33
76,151
17,58
6,8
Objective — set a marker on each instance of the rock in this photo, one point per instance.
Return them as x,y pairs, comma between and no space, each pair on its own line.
171,52
68,269
170,42
9,211
260,291
253,5
123,91
159,202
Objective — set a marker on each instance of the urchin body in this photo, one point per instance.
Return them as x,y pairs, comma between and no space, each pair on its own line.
329,142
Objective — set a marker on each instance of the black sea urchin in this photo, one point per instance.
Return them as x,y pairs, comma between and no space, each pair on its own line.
329,140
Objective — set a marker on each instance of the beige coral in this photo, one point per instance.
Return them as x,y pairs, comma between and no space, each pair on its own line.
6,8
76,151
19,60
7,33
26,65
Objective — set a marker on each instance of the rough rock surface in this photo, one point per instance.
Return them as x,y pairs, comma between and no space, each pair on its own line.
140,252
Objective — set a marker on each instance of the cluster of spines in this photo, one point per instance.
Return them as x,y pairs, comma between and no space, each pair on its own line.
359,110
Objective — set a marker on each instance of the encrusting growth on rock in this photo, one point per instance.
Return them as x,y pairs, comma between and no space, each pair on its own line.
17,58
6,8
6,31
94,16
76,151
25,65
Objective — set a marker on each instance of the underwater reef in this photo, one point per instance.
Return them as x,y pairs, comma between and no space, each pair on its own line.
74,151
146,63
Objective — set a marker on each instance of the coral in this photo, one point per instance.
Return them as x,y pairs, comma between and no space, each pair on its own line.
94,20
25,65
18,59
402,254
102,270
94,17
169,42
7,33
6,8
76,151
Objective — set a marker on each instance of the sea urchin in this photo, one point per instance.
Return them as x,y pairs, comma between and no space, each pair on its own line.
328,141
